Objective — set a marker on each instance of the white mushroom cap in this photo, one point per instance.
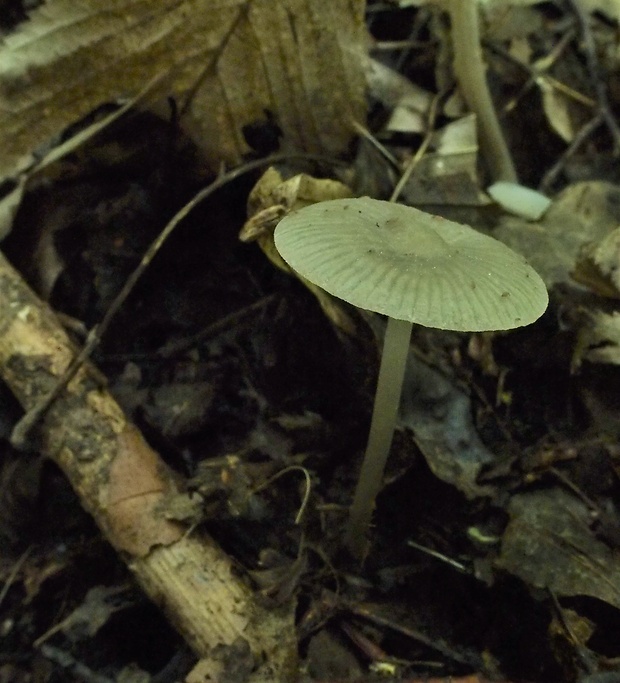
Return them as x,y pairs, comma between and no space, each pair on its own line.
411,265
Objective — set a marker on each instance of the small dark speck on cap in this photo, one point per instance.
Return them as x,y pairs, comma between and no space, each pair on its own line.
505,294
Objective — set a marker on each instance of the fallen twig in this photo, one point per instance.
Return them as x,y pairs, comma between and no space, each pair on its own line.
121,481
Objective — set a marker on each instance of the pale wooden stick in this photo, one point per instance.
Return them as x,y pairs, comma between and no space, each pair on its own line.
122,482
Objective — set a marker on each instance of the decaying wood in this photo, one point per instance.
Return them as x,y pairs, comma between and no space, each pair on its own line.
121,481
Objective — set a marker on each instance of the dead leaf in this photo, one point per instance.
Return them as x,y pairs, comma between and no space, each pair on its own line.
598,266
558,108
440,416
548,544
583,212
598,339
270,200
302,60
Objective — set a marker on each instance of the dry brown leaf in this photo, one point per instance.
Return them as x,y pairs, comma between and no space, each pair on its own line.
270,200
234,59
598,266
548,544
583,212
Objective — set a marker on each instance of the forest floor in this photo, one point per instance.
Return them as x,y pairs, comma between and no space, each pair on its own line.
493,552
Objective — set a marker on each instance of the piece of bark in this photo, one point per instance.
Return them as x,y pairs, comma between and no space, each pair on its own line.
121,481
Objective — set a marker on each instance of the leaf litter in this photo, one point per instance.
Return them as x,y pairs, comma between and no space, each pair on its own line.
495,541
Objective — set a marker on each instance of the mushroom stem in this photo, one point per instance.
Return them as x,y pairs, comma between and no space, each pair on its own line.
385,411
469,69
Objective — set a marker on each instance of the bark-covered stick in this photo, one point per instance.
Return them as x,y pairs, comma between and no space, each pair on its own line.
121,482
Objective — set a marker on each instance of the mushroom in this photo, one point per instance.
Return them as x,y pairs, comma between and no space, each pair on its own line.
412,267
470,73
